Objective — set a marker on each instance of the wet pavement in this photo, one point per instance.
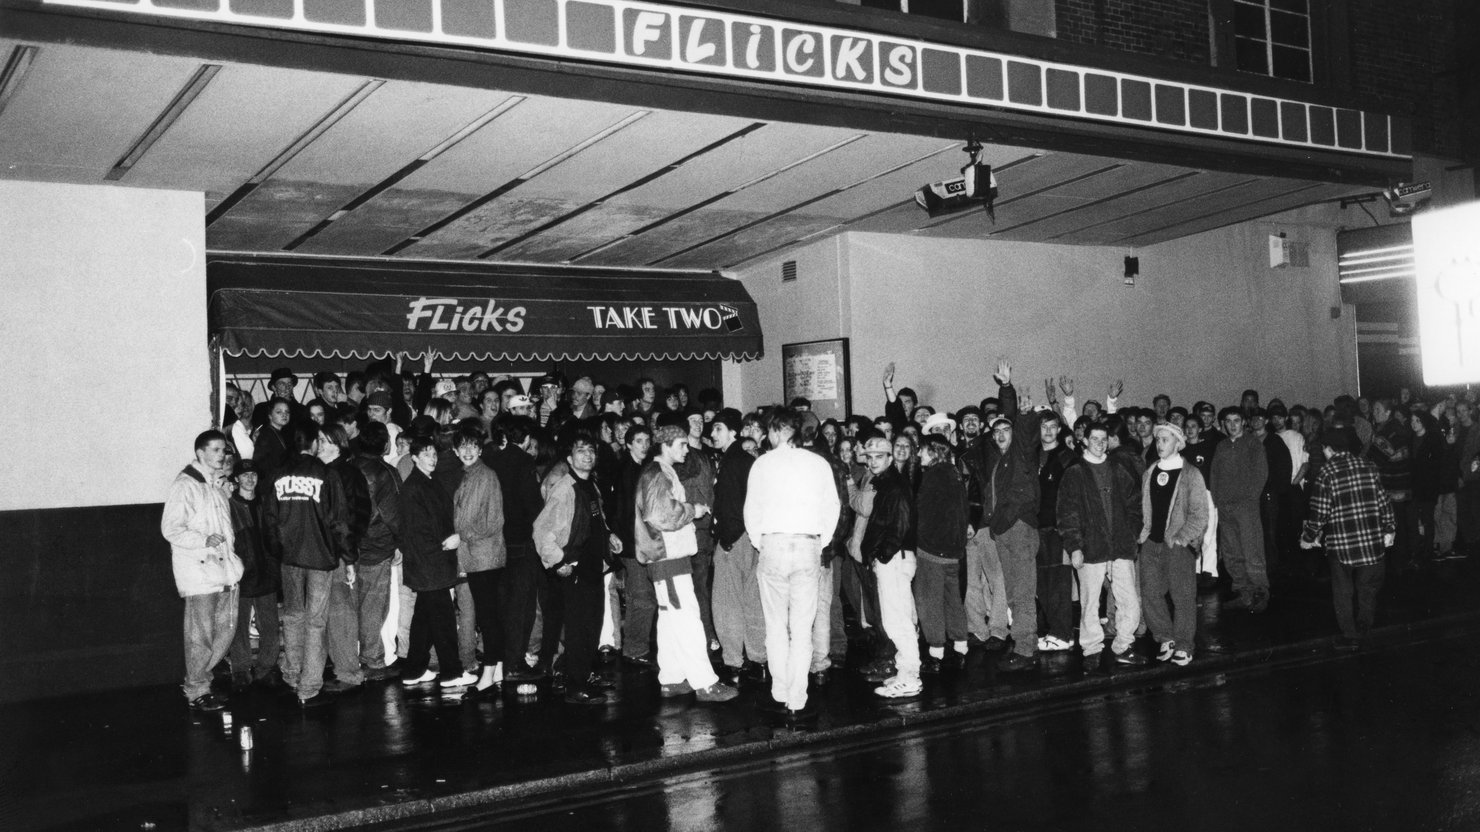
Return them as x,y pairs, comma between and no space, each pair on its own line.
1200,735
1384,740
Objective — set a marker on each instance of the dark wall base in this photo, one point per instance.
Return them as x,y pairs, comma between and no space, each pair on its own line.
87,602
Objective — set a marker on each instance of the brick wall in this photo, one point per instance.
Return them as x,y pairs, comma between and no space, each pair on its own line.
1403,56
1406,59
1173,29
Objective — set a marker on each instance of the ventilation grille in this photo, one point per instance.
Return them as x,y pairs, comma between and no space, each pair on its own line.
788,271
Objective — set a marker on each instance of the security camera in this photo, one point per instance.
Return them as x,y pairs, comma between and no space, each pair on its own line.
1406,197
975,186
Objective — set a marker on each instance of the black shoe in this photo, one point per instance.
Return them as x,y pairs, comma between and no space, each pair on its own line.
597,682
318,700
1241,602
583,696
930,665
640,662
334,687
818,677
557,681
730,675
475,693
382,674
1130,658
993,644
755,672
675,689
1347,645
523,674
273,681
1016,663
1260,602
764,702
807,711
207,703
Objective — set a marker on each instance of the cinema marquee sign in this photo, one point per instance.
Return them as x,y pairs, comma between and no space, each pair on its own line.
754,48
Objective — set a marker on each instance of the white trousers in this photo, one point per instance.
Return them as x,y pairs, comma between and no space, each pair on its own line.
683,651
788,571
897,608
1127,595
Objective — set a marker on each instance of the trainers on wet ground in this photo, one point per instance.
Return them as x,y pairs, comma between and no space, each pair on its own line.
717,692
1051,644
899,687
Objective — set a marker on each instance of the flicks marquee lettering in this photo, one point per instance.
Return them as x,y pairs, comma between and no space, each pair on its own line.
449,315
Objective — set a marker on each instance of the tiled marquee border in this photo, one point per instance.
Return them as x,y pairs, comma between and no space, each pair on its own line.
674,38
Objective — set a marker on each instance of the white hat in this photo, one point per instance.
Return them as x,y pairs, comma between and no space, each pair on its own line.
520,401
940,423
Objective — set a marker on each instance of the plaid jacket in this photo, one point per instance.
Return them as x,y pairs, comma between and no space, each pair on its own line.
1351,507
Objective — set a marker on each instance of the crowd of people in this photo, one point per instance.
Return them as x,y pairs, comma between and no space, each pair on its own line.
467,534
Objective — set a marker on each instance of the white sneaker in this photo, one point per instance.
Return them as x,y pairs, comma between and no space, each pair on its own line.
1051,644
460,682
1167,648
898,687
419,680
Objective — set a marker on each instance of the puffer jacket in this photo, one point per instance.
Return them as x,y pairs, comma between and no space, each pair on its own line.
1187,517
304,516
196,508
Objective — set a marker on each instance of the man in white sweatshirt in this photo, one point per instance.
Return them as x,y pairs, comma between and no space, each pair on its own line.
791,510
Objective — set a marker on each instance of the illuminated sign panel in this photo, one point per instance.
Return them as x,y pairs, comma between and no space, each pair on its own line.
749,47
1447,250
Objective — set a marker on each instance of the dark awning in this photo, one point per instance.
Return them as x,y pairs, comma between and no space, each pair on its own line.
291,307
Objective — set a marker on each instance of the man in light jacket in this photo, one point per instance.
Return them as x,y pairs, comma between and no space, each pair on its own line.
197,523
666,543
573,541
1174,517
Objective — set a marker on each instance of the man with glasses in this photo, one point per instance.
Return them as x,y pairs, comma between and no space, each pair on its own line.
1007,468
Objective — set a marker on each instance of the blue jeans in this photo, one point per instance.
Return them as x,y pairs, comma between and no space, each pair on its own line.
210,626
305,620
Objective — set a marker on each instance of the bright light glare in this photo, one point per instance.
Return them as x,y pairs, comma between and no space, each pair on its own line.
1447,251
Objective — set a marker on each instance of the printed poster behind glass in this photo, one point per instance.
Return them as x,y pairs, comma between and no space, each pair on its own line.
818,372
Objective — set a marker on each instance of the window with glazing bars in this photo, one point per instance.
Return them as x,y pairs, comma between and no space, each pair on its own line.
1272,37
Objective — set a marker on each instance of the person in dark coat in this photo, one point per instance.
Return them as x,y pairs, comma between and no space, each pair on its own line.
259,585
377,547
430,568
306,523
507,453
342,636
941,535
1100,516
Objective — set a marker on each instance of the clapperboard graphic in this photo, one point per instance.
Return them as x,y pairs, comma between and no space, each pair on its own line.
731,318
